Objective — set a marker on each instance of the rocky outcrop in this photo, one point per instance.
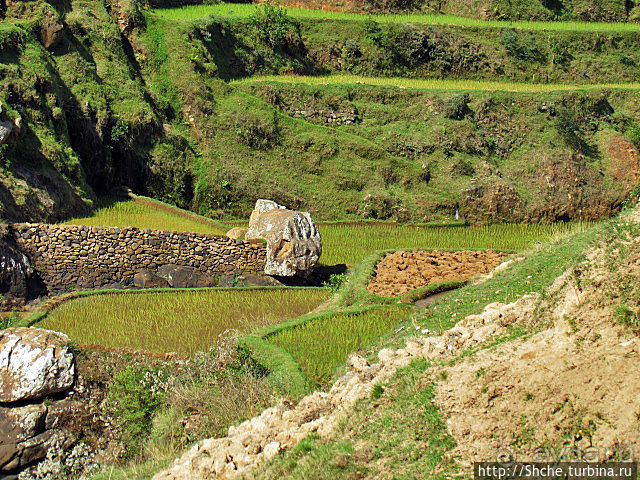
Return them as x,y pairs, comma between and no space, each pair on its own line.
185,277
15,273
294,244
34,363
283,426
5,131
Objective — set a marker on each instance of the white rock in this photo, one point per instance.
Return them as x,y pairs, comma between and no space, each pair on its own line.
34,363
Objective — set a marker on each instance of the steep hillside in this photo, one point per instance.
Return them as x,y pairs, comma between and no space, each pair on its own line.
103,95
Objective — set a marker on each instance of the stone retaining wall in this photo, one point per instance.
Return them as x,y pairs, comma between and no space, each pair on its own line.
83,257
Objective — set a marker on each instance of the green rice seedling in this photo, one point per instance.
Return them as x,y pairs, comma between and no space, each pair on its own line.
349,243
431,83
183,321
320,346
235,10
147,214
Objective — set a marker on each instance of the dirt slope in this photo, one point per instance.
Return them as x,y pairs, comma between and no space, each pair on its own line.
574,383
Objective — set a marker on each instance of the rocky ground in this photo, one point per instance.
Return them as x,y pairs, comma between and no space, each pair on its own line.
549,370
399,272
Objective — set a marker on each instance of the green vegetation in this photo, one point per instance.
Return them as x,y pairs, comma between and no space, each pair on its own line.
321,345
176,321
147,214
350,243
399,434
429,83
379,438
240,10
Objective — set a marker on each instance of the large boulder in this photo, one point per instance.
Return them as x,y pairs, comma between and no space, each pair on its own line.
34,363
15,271
293,240
179,276
237,233
249,280
148,279
27,432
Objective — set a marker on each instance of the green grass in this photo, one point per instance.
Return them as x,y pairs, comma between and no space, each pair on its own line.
321,345
398,435
184,321
132,213
349,243
191,13
431,83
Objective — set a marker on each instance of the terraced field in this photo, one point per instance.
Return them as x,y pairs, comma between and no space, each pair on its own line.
431,84
183,322
235,10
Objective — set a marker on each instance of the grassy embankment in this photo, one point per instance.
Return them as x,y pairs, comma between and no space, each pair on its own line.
234,10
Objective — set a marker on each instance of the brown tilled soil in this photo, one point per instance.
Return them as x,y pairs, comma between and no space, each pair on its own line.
575,385
399,272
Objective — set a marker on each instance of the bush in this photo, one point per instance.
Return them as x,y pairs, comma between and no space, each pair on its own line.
521,48
258,133
457,107
134,397
273,26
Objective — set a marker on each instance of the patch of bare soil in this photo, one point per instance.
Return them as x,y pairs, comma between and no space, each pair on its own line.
573,388
399,272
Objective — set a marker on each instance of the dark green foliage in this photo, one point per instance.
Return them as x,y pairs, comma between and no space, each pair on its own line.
134,397
258,133
559,53
273,26
457,107
336,280
633,134
119,132
171,178
393,5
521,46
245,362
377,392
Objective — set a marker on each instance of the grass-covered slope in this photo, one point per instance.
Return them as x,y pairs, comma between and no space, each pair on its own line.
126,96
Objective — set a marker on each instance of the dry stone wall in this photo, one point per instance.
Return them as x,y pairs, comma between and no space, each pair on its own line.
85,257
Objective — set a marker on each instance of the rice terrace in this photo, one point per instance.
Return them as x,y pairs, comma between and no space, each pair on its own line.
319,239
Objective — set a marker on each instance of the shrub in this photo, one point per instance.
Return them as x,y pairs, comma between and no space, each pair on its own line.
633,135
274,26
521,48
335,282
133,398
457,107
258,133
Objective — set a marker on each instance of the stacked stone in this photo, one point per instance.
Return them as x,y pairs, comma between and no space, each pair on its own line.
328,116
92,257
